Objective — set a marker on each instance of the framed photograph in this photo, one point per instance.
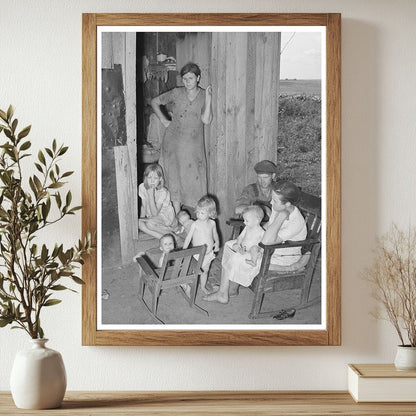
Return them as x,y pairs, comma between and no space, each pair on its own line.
207,138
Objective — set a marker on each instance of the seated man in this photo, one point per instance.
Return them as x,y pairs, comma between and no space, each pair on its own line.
259,193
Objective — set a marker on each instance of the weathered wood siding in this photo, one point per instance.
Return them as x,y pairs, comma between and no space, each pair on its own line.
120,48
195,47
245,77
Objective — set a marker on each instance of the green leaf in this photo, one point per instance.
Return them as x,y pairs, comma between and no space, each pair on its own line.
14,125
10,112
45,211
58,199
51,302
33,187
49,152
25,145
39,167
24,132
77,208
44,253
78,280
41,157
56,185
63,150
59,287
40,331
3,115
67,174
5,321
68,198
8,133
37,183
54,145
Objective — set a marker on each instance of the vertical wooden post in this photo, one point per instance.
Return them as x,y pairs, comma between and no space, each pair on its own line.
131,125
120,48
125,193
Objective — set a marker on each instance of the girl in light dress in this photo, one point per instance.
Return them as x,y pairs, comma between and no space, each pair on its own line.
157,216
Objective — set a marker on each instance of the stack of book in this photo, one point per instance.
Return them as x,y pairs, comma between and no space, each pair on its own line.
381,383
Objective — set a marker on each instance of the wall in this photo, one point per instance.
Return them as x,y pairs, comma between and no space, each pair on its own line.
40,74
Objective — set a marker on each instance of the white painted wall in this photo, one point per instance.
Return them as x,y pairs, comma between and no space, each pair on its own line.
40,74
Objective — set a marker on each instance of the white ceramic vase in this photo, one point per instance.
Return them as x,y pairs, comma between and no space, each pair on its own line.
38,377
405,358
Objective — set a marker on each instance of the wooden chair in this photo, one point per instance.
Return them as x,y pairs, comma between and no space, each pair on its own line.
274,278
178,268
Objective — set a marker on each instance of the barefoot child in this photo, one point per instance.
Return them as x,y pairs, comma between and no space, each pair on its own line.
247,242
204,231
157,216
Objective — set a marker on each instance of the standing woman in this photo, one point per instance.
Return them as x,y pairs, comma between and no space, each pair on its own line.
183,150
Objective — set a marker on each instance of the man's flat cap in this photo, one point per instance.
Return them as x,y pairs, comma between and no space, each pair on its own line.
265,166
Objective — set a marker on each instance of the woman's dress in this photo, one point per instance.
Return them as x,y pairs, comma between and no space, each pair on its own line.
239,271
183,155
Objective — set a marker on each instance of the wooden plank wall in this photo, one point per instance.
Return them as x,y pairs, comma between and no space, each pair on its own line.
245,71
195,47
120,48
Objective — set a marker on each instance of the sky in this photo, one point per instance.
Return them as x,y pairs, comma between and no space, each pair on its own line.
300,55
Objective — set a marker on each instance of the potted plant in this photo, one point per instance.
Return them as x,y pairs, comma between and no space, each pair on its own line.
393,277
31,273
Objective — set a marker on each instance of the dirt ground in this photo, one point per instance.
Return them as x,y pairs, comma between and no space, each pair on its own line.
121,305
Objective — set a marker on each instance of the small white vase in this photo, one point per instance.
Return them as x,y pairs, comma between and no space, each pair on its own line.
405,358
38,377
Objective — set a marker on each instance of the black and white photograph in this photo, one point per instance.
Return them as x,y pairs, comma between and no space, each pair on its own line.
211,176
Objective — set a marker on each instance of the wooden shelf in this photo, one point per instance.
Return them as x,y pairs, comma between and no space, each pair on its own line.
210,403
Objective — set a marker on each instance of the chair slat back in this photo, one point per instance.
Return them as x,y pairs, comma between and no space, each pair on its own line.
183,262
313,225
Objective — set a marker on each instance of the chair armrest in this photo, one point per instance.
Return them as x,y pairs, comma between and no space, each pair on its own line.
268,247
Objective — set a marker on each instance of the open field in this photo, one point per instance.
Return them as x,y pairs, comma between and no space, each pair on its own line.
300,86
299,135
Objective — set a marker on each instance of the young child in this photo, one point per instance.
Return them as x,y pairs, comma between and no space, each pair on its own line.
185,221
157,254
203,231
157,216
247,242
166,245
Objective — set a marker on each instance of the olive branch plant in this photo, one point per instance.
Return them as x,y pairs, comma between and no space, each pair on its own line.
393,278
30,272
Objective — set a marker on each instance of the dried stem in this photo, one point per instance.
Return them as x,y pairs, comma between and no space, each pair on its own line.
393,277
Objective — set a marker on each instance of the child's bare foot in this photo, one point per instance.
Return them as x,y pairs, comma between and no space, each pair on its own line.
187,290
251,262
216,297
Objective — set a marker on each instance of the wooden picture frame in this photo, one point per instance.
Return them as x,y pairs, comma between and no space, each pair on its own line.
331,334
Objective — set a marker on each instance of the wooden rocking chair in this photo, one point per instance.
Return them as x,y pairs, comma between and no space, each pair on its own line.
273,278
178,268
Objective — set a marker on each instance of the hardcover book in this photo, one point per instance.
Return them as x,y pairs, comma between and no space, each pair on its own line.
381,383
